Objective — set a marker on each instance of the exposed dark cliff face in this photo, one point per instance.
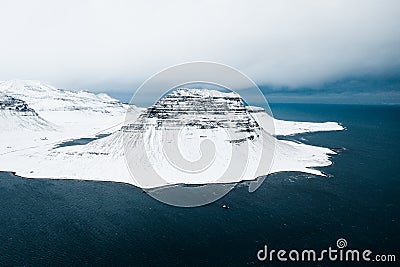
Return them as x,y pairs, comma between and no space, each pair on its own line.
16,106
15,114
198,108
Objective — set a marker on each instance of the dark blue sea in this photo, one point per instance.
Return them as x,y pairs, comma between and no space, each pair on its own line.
64,223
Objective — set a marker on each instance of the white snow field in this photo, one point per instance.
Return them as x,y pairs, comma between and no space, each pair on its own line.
35,118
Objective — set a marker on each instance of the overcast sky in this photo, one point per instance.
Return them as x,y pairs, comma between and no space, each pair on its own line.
114,45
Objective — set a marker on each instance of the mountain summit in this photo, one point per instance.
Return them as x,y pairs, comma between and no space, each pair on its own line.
197,108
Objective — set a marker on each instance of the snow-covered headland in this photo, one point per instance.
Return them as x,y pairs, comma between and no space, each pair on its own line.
36,118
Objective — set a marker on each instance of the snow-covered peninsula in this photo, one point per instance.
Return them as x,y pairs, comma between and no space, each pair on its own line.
37,120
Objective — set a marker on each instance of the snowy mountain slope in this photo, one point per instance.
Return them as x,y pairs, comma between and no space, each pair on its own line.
186,118
290,127
15,114
73,114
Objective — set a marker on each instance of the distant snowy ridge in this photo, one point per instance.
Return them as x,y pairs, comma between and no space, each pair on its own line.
44,97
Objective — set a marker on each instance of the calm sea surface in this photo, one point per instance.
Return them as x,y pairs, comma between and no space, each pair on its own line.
55,222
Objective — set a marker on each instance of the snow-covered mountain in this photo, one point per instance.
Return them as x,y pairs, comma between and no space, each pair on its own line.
169,140
44,115
186,131
15,114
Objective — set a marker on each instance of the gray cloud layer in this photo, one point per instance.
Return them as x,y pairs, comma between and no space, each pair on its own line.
92,44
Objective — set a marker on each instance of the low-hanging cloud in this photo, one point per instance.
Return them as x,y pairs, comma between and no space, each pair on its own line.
93,44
